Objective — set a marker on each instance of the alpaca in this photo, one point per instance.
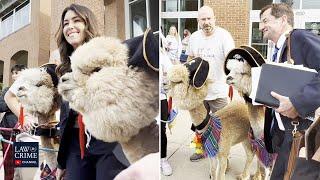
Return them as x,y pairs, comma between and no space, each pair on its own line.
238,72
118,101
38,95
234,117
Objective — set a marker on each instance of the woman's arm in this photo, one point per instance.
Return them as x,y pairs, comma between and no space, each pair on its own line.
12,102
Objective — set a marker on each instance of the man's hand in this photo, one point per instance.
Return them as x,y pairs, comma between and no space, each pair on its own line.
285,108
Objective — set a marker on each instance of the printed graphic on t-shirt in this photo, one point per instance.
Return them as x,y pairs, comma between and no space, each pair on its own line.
206,53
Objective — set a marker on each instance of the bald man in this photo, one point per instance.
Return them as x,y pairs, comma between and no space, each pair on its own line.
211,43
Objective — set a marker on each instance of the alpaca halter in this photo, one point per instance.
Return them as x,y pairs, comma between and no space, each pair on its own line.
201,125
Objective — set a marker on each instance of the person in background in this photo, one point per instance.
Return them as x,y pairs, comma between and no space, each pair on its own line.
173,45
9,120
211,43
185,40
276,24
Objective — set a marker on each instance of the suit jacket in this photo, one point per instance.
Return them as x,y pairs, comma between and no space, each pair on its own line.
69,138
305,50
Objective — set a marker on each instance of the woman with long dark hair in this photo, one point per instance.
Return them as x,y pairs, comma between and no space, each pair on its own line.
78,25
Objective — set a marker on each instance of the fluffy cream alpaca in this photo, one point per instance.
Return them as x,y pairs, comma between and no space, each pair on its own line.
240,78
234,119
118,103
39,97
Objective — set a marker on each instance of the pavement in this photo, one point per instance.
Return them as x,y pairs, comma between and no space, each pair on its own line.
179,151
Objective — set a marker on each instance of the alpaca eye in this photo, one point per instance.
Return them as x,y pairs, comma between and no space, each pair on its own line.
39,84
178,82
97,69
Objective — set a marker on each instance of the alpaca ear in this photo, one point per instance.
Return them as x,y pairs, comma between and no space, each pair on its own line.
198,72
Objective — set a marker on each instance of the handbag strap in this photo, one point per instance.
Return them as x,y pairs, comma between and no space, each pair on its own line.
289,57
315,124
297,137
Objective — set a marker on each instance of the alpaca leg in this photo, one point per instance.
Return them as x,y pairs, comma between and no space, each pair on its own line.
212,168
250,154
50,157
221,165
222,158
260,172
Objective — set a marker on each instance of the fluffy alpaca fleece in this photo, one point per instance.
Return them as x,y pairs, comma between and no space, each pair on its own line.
40,98
240,78
234,119
117,102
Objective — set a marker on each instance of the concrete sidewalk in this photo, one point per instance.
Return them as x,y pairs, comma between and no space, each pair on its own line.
179,152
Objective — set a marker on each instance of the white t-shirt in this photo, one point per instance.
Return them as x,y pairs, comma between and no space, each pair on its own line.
14,87
174,46
214,50
165,65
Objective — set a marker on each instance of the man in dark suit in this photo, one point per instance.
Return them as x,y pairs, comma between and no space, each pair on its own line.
276,24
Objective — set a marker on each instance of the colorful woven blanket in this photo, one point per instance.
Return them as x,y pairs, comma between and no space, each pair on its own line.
259,147
208,140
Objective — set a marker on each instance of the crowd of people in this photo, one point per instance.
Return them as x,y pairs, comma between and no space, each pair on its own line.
212,43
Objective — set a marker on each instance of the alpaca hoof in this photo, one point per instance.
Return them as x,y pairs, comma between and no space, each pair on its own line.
242,177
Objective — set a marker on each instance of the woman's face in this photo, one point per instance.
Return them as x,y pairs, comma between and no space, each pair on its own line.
172,31
15,75
73,29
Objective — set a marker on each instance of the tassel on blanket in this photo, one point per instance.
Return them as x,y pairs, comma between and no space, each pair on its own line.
81,136
230,93
21,117
197,144
259,147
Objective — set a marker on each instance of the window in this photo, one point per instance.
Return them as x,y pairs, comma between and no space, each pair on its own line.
257,40
15,19
259,4
180,5
189,5
180,13
143,14
310,4
313,27
295,3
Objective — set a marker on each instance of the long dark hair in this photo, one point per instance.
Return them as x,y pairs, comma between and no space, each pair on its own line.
65,49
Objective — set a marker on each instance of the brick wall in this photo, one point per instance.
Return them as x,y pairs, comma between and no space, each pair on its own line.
232,15
110,17
33,38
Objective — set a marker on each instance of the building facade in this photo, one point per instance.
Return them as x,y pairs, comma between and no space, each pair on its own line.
24,34
239,17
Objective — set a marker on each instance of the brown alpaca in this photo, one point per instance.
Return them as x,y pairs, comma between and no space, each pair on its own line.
238,72
118,102
234,117
38,94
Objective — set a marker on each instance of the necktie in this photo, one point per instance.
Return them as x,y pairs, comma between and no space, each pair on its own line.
275,53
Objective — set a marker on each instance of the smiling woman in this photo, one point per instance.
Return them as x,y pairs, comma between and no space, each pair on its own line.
78,25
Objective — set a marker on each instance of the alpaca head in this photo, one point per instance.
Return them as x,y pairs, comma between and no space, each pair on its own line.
237,67
37,90
188,84
239,75
116,100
